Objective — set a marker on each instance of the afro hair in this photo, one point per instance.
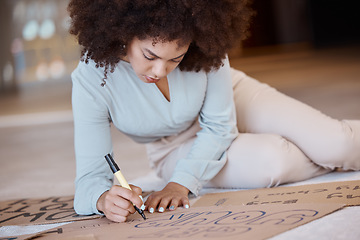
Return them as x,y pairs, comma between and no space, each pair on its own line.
212,27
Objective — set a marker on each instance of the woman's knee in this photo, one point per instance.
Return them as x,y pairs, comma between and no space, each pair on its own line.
344,150
273,158
259,160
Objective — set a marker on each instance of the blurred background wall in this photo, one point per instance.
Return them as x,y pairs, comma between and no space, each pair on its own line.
323,23
35,44
37,49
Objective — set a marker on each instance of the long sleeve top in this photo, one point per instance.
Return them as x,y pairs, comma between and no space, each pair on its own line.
140,111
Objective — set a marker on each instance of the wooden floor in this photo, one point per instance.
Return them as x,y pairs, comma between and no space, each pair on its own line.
36,132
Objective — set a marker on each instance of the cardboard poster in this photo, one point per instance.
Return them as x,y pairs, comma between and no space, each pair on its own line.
39,211
22,237
228,222
347,193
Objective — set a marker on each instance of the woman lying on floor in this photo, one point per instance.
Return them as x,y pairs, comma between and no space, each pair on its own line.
158,71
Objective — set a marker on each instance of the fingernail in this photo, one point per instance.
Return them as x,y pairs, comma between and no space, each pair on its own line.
143,207
186,206
151,210
141,198
172,207
161,209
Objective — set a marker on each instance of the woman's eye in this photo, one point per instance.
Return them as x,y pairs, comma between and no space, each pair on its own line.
149,58
153,58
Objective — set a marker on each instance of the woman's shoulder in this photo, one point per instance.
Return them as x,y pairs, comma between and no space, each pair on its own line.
86,82
87,71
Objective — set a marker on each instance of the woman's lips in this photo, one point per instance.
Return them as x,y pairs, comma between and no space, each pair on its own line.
151,80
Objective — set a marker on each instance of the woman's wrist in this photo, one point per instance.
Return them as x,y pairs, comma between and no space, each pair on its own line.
178,187
100,203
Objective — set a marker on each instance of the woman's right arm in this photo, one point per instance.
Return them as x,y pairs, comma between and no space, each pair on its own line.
94,190
92,139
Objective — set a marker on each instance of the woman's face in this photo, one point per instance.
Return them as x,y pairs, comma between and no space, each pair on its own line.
152,62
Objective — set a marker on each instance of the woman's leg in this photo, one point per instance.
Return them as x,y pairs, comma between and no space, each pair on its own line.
328,142
253,161
277,136
264,160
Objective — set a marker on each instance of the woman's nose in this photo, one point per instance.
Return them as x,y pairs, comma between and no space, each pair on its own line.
160,69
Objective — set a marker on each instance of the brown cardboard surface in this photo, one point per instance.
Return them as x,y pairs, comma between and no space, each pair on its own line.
347,193
70,227
80,237
22,237
77,237
227,222
39,211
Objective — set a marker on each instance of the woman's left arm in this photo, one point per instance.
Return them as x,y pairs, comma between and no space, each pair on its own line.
218,129
207,156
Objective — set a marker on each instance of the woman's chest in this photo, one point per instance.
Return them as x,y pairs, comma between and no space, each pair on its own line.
141,109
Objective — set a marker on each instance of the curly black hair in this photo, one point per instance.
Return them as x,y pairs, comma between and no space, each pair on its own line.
212,27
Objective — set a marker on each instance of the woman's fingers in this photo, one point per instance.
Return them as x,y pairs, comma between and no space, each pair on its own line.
174,204
117,214
152,202
117,203
164,203
138,193
185,202
172,196
136,189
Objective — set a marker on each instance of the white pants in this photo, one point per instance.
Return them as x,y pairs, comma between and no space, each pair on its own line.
281,140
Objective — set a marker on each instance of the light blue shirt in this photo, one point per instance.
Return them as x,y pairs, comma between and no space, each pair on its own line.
140,111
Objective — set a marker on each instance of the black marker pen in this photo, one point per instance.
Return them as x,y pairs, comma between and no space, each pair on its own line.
116,170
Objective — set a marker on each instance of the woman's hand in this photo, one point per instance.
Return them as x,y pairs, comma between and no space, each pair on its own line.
117,203
172,196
